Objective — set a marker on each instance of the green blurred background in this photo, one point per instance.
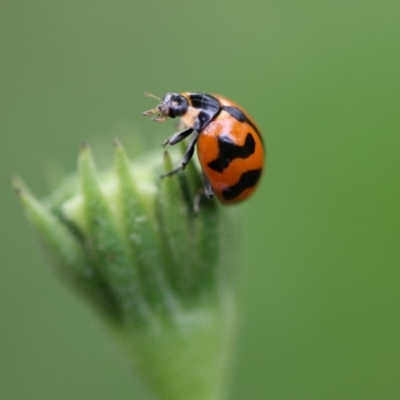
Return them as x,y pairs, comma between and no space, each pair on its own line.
320,285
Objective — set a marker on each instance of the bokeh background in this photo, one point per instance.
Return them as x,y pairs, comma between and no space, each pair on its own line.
321,279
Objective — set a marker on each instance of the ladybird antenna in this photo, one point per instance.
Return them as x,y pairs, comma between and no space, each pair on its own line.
147,94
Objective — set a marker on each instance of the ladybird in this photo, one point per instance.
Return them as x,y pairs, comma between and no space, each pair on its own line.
229,144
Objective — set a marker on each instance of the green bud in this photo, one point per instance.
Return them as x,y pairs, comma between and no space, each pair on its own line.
157,272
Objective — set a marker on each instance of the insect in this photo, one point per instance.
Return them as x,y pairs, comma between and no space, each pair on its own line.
229,144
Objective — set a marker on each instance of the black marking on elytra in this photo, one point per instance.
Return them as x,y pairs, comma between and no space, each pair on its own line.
229,151
247,180
240,116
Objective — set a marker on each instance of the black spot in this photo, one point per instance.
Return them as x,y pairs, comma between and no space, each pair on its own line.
239,116
246,181
228,151
235,113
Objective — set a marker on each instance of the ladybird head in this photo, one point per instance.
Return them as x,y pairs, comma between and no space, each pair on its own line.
171,105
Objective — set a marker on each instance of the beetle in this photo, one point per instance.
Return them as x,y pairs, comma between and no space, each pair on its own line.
229,144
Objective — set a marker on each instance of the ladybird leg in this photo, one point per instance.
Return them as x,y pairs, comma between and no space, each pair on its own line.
189,152
185,159
172,172
177,137
208,190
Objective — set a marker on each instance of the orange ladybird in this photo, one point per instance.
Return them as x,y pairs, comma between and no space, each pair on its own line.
229,144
